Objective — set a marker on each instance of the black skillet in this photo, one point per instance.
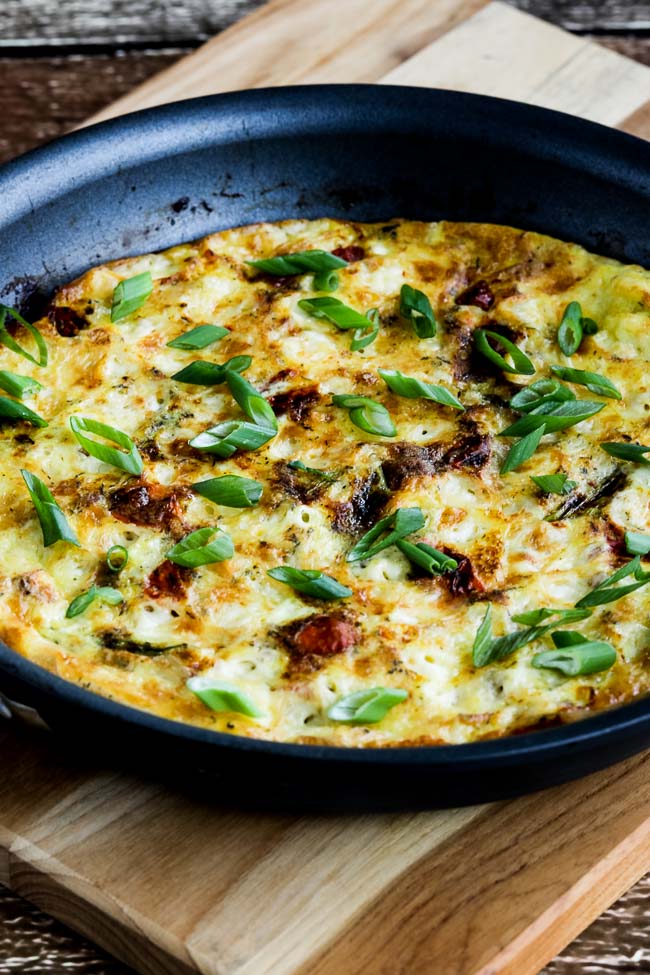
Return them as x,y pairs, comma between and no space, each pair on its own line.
157,178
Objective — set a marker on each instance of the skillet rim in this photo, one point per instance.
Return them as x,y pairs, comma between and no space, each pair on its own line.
614,156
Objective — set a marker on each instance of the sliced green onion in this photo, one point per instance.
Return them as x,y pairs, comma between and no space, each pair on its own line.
202,373
105,594
53,522
540,392
571,330
417,389
297,465
483,640
628,451
637,544
199,337
521,364
554,416
589,326
10,409
488,650
361,337
522,450
583,658
221,696
310,582
426,557
251,401
567,638
415,307
600,385
608,590
202,547
326,281
117,558
299,263
225,438
126,459
7,340
130,295
366,707
554,483
230,490
365,413
399,524
334,311
536,616
16,385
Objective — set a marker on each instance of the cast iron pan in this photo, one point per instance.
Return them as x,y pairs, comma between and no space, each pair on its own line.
157,178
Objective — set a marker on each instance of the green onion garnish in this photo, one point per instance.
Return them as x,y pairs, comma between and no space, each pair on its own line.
366,707
554,416
554,483
221,696
361,337
117,558
521,364
365,413
105,594
522,450
628,451
572,327
16,385
637,543
299,263
7,340
487,649
399,524
130,295
297,465
595,383
608,590
415,307
201,373
334,311
225,438
540,392
202,547
483,640
310,582
10,409
251,401
326,281
426,557
417,389
586,657
230,490
53,522
126,459
198,338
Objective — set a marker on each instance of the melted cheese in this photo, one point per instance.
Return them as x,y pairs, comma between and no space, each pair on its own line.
413,632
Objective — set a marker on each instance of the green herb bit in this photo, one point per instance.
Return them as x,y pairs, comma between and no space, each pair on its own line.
53,522
130,295
483,640
417,389
230,490
301,262
232,435
365,413
326,281
628,451
125,456
198,338
540,392
637,543
523,450
362,337
415,307
608,590
297,465
487,649
583,657
334,311
310,582
221,696
16,385
595,383
10,409
105,594
366,707
399,524
10,343
572,328
117,558
554,416
521,364
251,402
202,373
554,483
202,547
426,557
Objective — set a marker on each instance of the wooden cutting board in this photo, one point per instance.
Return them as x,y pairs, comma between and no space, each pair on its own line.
173,885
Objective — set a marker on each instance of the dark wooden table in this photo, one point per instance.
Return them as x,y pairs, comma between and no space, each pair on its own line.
62,60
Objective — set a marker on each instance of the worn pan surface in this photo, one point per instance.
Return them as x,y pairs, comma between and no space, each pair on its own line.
157,178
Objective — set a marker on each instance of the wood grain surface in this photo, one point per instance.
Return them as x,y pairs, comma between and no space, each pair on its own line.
47,93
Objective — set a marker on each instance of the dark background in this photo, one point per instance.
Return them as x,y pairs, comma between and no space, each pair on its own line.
62,60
